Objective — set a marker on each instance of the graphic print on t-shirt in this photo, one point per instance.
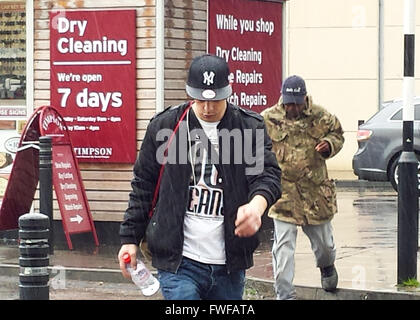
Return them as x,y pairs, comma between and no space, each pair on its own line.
205,192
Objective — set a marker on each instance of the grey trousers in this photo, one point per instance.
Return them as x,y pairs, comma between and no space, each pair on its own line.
283,253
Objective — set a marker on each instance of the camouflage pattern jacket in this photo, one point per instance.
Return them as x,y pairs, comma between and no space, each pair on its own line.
309,196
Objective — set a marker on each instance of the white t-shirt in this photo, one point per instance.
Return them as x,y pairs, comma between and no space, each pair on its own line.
204,239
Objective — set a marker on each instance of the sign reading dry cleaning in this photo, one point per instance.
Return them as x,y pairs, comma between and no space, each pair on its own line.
68,185
93,81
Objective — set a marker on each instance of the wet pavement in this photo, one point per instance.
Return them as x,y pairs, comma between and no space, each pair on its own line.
365,232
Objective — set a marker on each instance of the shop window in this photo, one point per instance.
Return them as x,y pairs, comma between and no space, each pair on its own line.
13,59
16,88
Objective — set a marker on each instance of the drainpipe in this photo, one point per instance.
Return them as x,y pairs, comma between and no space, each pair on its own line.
29,56
380,54
285,38
160,55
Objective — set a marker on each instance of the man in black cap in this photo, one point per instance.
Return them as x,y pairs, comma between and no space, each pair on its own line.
207,171
304,135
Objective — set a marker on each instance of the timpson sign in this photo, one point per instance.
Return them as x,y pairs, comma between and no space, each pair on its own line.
93,81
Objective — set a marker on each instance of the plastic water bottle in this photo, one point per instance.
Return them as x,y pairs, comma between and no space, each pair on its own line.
141,276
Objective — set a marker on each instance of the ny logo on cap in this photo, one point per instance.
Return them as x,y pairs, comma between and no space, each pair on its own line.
208,78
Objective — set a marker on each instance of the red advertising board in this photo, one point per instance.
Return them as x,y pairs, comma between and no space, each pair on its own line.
67,182
24,177
93,81
248,34
69,191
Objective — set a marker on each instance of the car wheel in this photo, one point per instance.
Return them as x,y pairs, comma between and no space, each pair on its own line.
393,174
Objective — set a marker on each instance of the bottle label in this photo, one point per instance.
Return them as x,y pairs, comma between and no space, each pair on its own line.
141,273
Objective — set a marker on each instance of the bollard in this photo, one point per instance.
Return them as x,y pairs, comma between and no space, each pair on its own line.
33,260
45,184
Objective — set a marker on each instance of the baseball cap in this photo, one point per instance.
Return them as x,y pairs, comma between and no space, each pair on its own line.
208,78
293,90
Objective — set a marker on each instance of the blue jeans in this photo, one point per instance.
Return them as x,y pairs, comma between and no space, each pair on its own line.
195,280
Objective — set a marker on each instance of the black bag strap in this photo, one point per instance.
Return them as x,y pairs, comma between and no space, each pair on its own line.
156,192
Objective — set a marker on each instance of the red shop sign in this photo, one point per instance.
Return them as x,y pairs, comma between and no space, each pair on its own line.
93,81
248,34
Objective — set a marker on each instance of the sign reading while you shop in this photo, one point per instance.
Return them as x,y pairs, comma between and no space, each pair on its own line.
248,34
93,82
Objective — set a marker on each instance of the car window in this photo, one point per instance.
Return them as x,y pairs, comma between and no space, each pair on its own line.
417,112
398,115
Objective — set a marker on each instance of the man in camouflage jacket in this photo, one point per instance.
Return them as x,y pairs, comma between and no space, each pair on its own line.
304,135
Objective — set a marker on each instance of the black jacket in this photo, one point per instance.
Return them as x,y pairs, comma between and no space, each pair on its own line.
165,229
